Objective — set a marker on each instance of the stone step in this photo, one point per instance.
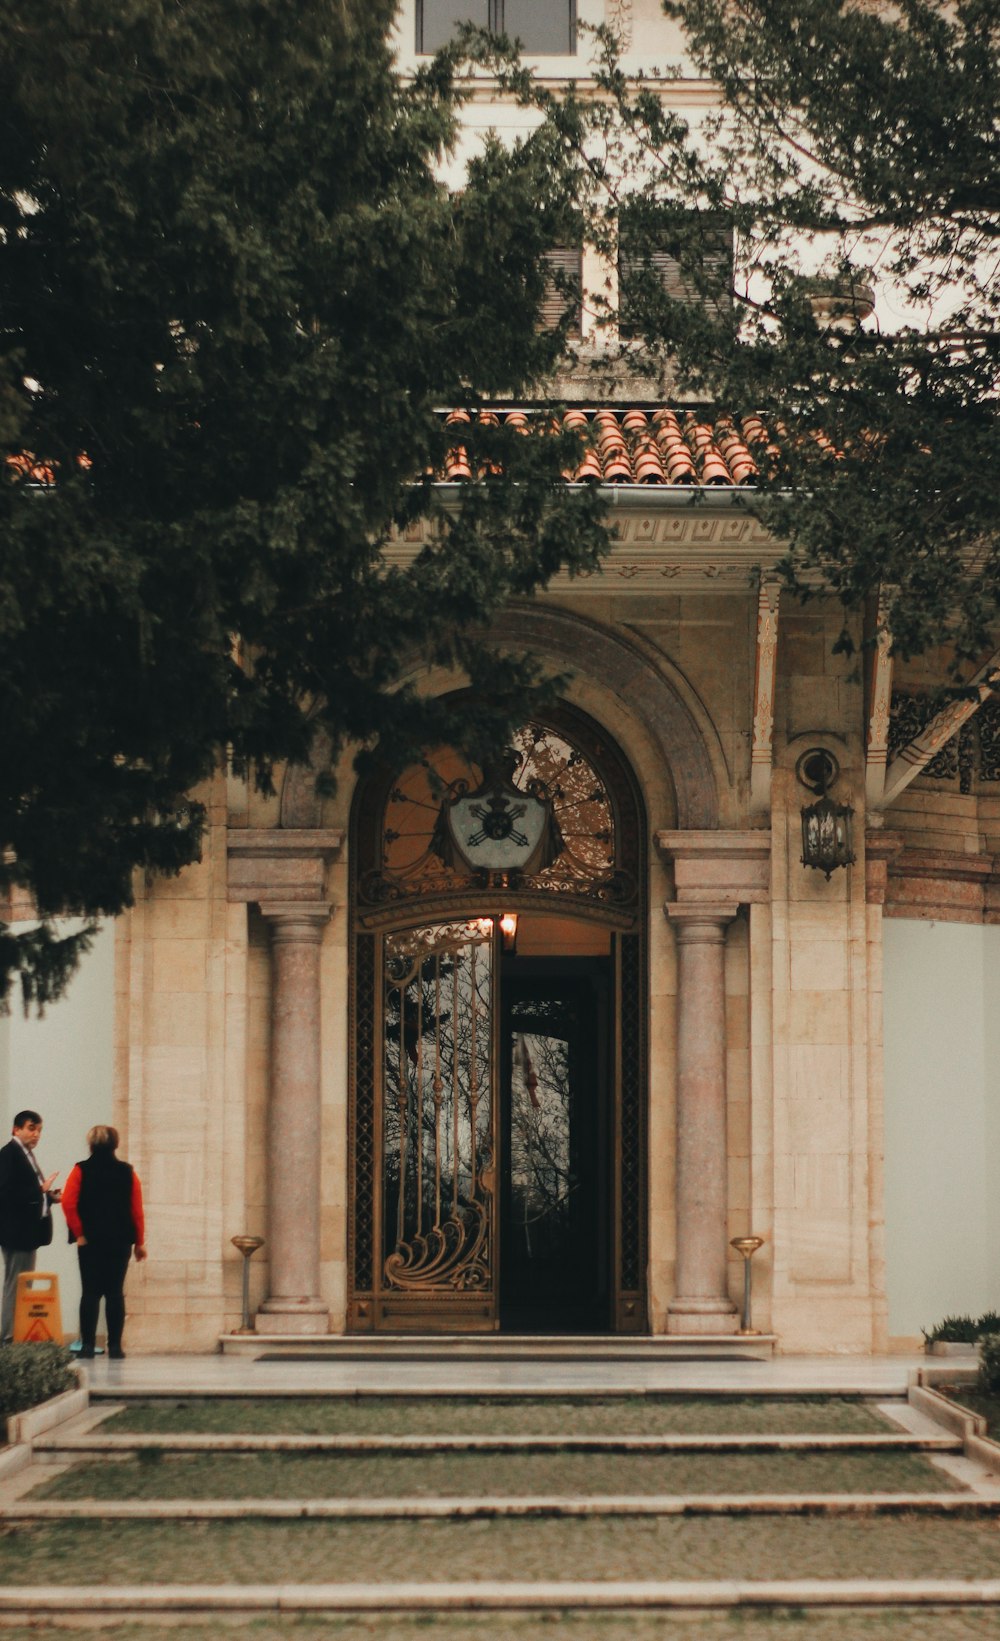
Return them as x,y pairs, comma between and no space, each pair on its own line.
420,1507
344,1445
82,1601
499,1347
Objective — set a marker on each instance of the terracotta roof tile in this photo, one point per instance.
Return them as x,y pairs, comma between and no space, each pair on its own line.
638,447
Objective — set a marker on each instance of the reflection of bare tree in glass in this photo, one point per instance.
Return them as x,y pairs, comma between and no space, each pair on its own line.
437,1104
542,1180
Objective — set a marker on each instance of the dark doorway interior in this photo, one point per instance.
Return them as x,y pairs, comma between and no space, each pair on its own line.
555,1071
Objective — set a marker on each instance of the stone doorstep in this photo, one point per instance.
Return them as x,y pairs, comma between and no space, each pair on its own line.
350,1444
422,1508
499,1347
77,1601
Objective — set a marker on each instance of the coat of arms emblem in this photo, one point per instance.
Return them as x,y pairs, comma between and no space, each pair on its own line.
499,828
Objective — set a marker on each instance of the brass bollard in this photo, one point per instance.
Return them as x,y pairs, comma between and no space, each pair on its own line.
746,1247
248,1246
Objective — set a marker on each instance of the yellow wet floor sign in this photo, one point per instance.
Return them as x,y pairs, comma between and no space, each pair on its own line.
37,1313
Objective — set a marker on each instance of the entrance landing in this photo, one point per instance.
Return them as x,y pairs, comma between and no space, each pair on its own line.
504,1347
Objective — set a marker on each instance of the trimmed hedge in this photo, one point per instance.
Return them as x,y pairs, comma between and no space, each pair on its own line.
30,1374
963,1330
989,1364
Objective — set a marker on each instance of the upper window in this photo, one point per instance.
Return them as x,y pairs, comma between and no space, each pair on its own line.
564,274
545,28
693,264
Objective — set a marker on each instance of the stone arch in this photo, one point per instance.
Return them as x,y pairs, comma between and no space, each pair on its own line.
654,700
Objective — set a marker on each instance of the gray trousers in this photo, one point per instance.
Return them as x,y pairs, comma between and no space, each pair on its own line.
15,1260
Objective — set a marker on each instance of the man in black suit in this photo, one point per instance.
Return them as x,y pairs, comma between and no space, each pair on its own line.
26,1200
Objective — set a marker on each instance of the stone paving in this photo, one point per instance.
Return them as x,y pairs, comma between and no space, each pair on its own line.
459,1514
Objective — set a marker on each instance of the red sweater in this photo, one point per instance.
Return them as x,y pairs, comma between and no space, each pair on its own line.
71,1197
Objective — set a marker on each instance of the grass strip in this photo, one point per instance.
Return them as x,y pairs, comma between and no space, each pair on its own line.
399,1415
660,1548
153,1475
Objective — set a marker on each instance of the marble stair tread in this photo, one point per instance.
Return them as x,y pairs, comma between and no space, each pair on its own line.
483,1507
34,1600
499,1347
798,1442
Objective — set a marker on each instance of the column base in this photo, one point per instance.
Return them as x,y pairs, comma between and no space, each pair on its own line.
702,1316
293,1316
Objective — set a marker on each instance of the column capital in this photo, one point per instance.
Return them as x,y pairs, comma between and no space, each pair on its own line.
700,920
297,920
719,866
279,864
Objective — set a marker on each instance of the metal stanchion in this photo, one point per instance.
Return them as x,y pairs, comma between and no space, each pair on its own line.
248,1246
746,1247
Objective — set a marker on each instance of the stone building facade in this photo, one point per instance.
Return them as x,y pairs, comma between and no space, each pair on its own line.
284,1061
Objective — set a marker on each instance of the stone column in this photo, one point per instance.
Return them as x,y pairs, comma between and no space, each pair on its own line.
294,1305
701,1303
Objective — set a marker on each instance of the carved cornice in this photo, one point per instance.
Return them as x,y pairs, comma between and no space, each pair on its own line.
662,538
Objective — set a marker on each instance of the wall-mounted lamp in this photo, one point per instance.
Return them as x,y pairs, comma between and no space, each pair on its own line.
826,826
508,931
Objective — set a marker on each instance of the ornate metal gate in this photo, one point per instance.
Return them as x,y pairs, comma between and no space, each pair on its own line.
425,1106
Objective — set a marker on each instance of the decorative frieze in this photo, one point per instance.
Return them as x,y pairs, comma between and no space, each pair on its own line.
690,546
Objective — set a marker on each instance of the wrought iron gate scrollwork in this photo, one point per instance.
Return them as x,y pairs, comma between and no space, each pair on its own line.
438,1108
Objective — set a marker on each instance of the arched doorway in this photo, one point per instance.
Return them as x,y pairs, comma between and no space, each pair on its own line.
498,1087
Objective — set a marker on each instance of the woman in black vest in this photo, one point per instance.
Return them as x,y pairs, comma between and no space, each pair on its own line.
102,1201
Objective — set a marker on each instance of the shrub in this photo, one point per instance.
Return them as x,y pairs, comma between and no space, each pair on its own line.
954,1330
989,1365
989,1322
30,1374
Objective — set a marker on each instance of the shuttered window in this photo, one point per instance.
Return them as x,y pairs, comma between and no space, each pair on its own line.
714,252
565,263
545,28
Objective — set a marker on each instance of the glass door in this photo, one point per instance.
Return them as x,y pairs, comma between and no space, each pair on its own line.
554,1198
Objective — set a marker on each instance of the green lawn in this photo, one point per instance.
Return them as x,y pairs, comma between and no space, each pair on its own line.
400,1415
434,1475
546,1548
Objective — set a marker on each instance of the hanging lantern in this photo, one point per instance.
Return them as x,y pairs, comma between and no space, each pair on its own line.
827,841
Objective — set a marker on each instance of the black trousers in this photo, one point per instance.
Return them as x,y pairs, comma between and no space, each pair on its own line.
102,1273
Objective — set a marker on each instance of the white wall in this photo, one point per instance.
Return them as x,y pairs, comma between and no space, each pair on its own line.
61,1066
942,1121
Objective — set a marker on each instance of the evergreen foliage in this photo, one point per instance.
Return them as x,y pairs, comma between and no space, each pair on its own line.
853,146
233,299
30,1374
